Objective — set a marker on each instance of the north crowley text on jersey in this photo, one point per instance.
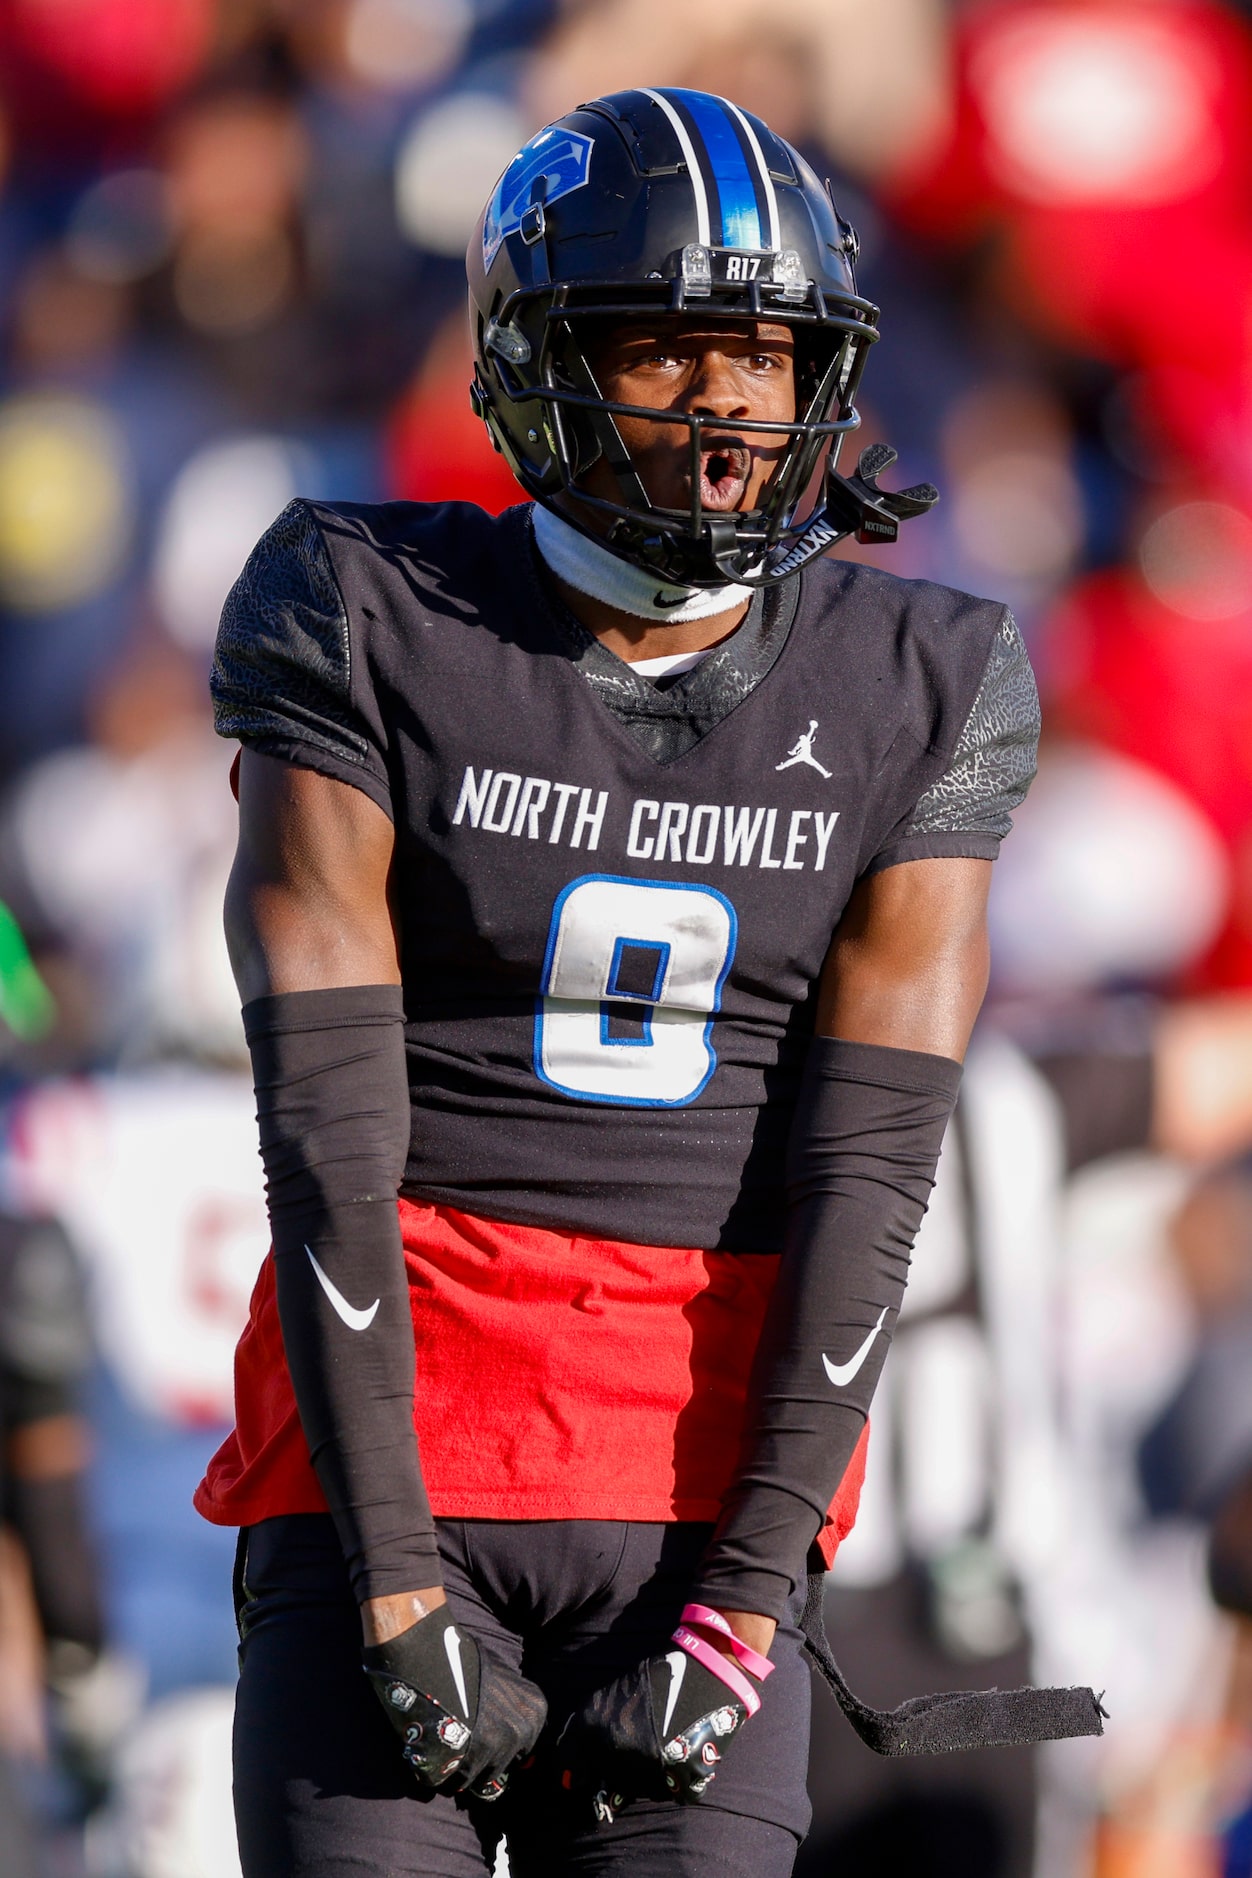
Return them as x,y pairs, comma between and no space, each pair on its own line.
702,834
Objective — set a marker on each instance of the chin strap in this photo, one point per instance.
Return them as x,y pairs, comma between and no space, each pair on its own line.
593,569
852,505
942,1724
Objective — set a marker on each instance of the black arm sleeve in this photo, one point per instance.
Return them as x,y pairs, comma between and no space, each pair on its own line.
868,1127
333,1108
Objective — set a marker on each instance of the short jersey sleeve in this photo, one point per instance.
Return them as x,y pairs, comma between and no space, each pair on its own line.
967,811
282,679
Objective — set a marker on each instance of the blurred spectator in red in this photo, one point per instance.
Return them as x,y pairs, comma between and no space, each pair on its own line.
79,72
1100,155
436,449
1155,659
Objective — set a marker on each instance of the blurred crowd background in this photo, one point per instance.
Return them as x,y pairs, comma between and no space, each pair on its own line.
231,240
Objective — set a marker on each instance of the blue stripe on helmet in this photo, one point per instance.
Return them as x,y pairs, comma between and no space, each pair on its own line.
728,170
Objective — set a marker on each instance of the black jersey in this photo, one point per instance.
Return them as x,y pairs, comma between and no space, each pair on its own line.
610,934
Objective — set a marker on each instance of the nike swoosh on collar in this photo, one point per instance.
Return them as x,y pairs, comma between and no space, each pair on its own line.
348,1313
841,1374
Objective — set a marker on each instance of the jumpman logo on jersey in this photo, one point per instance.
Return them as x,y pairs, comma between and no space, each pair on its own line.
801,751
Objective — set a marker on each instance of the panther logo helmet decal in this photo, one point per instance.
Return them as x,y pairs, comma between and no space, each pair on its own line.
550,166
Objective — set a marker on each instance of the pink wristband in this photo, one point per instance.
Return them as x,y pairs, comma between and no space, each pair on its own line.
705,1619
715,1661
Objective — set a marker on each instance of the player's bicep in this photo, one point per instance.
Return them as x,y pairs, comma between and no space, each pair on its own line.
908,964
307,905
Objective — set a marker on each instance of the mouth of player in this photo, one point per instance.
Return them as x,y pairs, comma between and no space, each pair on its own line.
724,470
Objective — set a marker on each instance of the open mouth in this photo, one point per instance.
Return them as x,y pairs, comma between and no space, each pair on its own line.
724,468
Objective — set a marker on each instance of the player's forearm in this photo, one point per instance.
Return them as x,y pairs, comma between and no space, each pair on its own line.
869,1126
333,1107
382,1619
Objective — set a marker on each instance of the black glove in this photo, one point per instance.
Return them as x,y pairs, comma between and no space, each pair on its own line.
463,1717
657,1733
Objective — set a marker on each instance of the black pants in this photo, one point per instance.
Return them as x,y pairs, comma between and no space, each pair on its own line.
321,1791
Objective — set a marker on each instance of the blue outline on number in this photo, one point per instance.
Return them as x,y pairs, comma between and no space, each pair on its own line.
613,992
624,1043
615,995
628,880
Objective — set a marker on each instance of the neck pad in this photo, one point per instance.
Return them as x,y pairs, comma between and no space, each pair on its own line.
593,570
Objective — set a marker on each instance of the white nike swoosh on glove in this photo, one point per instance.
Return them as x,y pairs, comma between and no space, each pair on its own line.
452,1644
841,1374
677,1660
354,1319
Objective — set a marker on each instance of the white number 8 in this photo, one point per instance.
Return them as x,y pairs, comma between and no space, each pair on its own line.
632,976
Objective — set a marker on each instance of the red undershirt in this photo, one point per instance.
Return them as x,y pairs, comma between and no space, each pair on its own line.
558,1378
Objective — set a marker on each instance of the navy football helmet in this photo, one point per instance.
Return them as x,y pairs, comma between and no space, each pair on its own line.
671,201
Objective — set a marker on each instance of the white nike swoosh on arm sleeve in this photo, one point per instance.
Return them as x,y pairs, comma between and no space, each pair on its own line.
841,1374
354,1319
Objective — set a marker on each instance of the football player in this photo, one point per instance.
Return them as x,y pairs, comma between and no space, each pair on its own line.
610,888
